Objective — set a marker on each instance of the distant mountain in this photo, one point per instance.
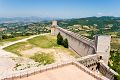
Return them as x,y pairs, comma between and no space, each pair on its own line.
25,19
100,22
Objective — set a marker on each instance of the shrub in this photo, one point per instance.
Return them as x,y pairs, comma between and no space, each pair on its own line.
59,39
43,58
65,43
116,77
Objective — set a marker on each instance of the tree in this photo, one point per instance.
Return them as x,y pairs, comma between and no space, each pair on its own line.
59,39
65,43
116,77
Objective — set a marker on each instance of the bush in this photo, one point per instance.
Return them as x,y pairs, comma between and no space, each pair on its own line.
59,39
43,58
65,43
116,77
7,36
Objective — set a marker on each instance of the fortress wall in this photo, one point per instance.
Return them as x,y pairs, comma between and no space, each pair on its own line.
107,71
93,62
81,45
90,61
99,48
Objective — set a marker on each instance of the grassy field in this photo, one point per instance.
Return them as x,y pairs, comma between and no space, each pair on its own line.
47,41
2,42
18,47
43,41
115,44
114,61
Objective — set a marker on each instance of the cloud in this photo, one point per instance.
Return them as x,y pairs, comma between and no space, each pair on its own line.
100,14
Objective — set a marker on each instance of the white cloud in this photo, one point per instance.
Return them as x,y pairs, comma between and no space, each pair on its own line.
100,14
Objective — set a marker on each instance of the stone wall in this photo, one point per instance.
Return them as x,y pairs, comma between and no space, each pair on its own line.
81,45
102,43
84,46
90,61
91,51
95,64
106,71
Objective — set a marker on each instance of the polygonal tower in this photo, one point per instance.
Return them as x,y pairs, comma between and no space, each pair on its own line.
53,27
102,43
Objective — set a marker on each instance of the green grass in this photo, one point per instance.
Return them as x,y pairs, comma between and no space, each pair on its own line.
114,61
115,44
43,41
43,58
12,39
16,48
46,41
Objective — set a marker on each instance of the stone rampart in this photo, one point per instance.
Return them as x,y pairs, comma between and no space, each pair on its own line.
80,44
90,61
106,71
94,63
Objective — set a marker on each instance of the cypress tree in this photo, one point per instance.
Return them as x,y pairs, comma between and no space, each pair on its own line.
65,43
59,39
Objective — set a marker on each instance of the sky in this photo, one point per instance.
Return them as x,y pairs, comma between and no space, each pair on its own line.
59,8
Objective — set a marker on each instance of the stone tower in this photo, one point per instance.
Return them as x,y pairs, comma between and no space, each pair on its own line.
53,27
102,43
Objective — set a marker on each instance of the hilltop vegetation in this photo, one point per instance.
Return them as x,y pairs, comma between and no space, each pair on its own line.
99,22
93,25
11,30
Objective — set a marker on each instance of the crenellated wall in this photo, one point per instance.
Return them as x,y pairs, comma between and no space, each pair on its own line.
90,61
95,64
106,70
91,51
84,46
81,45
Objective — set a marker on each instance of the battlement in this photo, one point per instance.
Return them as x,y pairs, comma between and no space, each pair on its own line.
95,64
78,37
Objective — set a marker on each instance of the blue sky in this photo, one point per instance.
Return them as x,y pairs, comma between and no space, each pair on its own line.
59,8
